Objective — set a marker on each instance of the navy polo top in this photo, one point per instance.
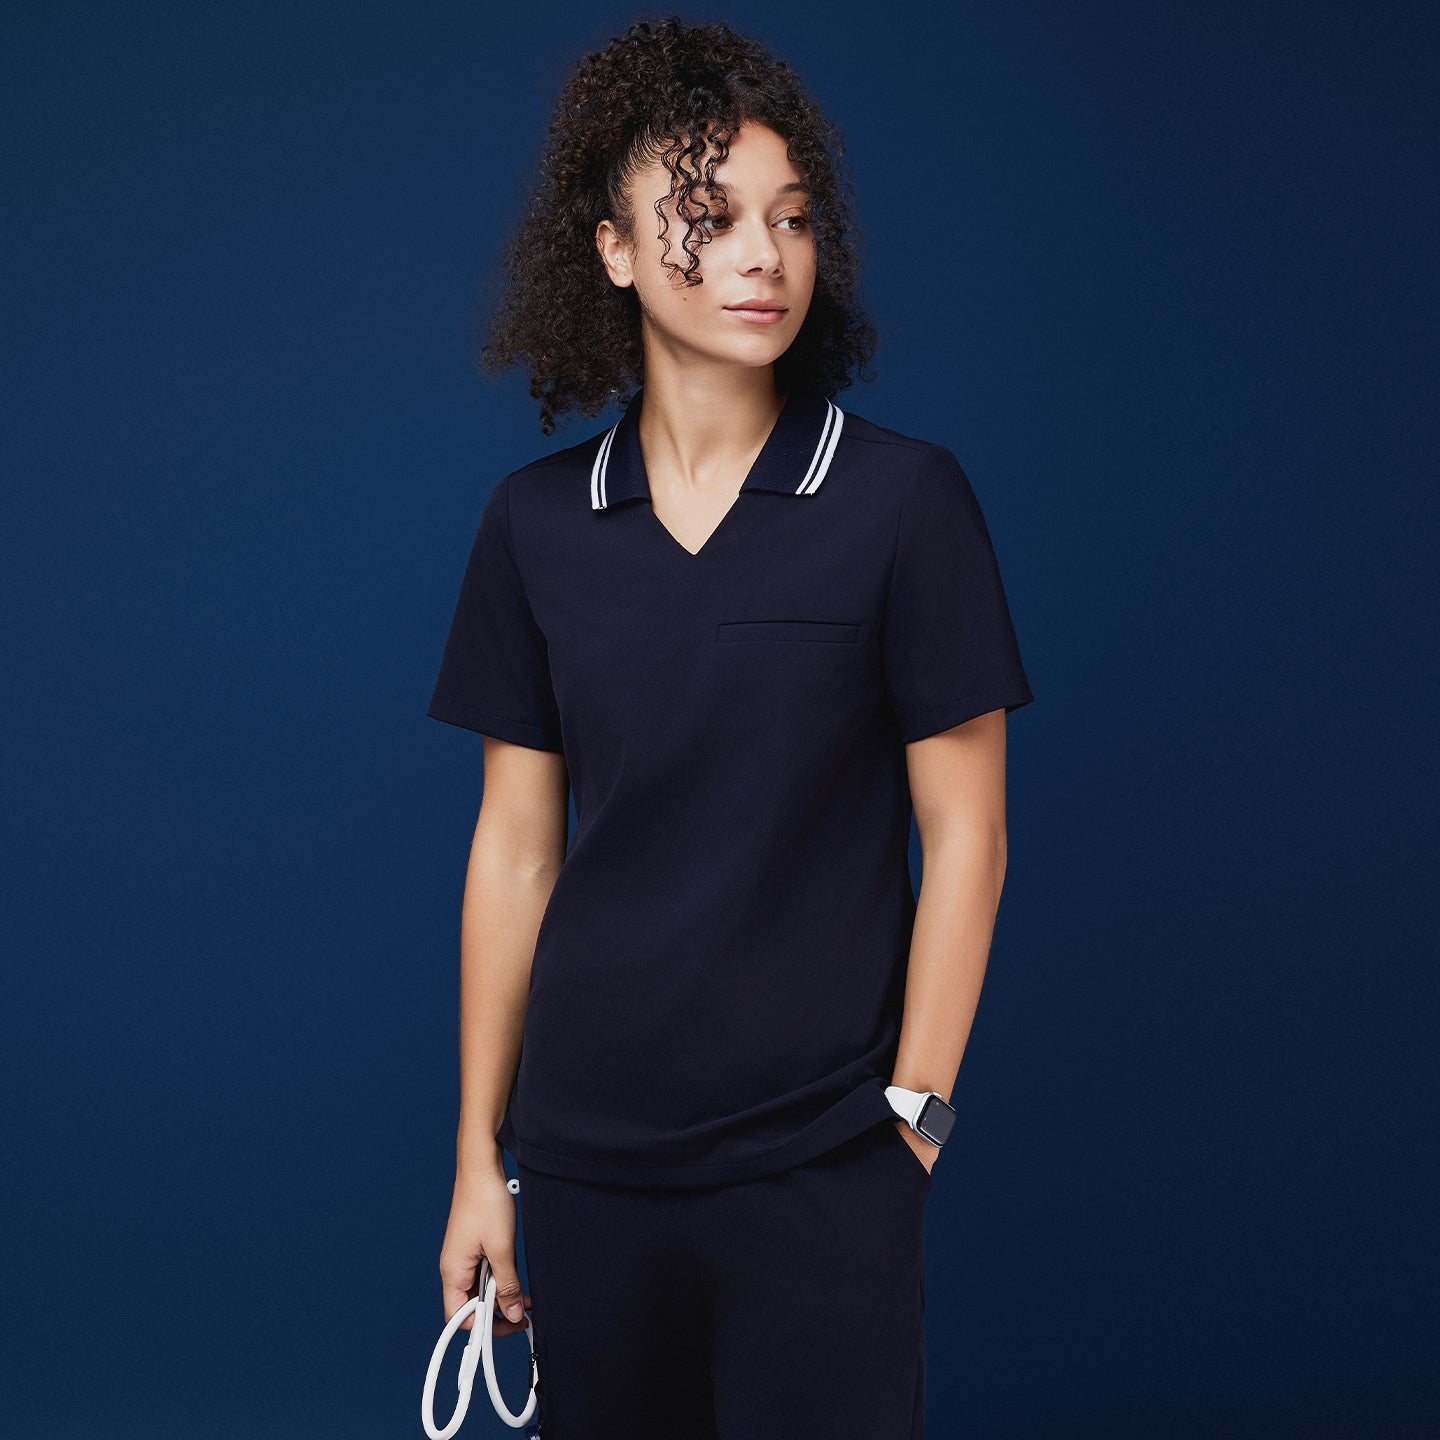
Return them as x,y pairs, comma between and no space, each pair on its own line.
719,975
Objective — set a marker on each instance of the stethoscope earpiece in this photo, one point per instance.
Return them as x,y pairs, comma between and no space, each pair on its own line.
479,1348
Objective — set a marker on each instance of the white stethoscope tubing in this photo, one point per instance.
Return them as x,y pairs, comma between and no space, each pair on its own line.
478,1349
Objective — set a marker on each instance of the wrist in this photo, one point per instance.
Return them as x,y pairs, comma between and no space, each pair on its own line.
481,1158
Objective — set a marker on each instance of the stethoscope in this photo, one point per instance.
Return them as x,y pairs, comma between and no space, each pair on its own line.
480,1348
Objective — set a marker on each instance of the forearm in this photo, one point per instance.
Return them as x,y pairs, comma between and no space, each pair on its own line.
954,924
505,897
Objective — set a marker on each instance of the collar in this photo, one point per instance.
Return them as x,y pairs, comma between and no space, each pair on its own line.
793,460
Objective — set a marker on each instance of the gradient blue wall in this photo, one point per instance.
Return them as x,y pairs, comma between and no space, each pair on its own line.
1162,276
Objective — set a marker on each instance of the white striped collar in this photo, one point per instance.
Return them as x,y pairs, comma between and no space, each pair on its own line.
793,461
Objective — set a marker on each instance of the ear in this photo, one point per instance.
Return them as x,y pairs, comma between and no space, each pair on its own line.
614,254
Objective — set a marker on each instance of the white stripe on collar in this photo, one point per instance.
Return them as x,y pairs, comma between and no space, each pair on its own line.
597,470
824,451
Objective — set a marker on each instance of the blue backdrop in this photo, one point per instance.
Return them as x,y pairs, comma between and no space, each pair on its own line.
1153,272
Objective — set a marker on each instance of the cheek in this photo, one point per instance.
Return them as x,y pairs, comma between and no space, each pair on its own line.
677,306
669,300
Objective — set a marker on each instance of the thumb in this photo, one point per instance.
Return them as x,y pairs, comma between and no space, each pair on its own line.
508,1295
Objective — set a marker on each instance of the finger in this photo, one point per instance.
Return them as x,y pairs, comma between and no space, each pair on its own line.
457,1280
501,1326
508,1296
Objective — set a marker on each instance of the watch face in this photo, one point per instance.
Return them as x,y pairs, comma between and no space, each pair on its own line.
937,1120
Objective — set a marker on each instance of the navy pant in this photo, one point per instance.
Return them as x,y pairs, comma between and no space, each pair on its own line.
790,1307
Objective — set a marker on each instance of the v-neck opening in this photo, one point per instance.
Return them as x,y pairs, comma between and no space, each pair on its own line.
771,439
708,540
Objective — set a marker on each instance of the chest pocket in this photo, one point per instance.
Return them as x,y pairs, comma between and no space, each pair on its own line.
823,631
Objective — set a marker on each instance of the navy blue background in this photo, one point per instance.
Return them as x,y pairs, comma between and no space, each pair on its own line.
1157,274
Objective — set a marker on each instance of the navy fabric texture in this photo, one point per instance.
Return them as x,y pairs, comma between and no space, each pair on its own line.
719,975
792,1304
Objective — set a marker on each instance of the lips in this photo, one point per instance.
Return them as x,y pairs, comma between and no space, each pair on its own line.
758,305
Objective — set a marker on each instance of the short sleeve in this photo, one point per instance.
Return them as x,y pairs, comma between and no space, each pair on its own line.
949,648
495,671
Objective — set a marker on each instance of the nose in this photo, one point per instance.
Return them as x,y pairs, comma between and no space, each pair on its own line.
761,251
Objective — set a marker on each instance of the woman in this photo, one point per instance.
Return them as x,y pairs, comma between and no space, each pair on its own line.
751,630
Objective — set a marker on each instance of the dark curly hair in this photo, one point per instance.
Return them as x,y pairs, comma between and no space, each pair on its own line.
670,92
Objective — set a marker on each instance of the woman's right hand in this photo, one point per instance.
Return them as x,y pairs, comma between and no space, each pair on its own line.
482,1223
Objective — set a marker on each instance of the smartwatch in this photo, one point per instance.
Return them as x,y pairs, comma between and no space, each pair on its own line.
926,1112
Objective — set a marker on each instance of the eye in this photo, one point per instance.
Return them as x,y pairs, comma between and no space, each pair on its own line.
717,221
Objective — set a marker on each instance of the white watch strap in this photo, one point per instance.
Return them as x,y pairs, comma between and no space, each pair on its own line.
907,1104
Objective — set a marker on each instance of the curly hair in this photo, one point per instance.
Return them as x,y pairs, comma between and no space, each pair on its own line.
671,92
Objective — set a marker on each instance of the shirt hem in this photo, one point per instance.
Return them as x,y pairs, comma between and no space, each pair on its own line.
486,722
857,1112
957,712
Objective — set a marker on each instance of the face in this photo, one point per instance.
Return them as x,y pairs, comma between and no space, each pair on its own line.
763,248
